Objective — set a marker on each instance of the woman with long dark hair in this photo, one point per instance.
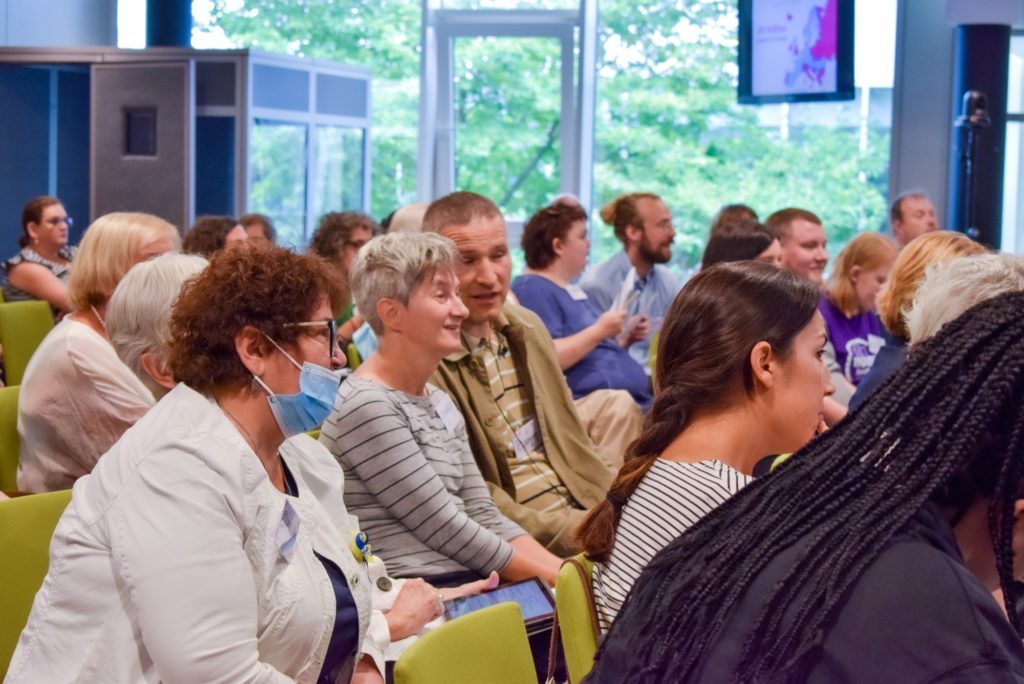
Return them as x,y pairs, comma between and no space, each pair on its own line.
740,377
42,268
742,240
869,556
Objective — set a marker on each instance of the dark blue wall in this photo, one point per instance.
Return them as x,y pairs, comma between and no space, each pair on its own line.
73,147
215,165
24,145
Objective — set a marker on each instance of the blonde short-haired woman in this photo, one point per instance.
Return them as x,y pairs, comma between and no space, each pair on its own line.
898,293
77,397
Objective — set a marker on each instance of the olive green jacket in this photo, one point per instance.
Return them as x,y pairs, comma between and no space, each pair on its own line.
586,471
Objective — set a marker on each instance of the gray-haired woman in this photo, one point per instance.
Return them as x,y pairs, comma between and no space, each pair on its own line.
410,475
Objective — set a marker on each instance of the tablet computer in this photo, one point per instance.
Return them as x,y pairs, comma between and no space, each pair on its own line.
533,596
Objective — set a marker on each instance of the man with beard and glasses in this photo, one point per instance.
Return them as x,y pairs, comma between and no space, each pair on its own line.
635,279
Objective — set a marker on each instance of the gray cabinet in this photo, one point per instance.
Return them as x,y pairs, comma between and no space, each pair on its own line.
182,132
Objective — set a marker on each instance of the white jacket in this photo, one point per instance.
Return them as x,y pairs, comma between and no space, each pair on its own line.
168,566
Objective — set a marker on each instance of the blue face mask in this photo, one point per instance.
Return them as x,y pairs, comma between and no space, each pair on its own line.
302,412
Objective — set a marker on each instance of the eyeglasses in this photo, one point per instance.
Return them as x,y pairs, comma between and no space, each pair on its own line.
332,332
57,221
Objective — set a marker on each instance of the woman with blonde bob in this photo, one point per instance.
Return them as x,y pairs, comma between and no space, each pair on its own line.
77,397
848,304
896,297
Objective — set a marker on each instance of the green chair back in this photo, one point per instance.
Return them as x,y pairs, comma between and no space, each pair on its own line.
352,356
577,618
26,525
9,445
23,325
488,645
652,360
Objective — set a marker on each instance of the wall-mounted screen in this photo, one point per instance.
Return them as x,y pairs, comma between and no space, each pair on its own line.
795,50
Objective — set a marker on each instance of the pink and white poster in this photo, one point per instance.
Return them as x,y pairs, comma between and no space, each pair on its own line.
794,46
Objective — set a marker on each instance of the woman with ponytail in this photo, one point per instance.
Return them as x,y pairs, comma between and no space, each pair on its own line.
872,555
740,377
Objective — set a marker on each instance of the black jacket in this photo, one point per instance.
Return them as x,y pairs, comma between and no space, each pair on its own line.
915,615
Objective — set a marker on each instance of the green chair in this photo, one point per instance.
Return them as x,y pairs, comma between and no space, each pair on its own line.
652,360
26,525
488,645
352,356
9,444
577,617
23,325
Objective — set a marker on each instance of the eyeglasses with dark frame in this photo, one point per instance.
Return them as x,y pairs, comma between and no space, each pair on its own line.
332,328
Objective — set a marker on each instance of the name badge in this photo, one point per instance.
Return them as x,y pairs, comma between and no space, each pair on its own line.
576,292
287,532
526,439
449,414
875,343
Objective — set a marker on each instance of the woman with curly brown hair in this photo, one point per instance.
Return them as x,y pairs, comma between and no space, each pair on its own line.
213,547
338,238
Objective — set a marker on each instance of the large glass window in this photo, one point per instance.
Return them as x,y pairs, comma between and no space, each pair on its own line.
1013,178
509,4
339,163
667,122
278,168
383,35
666,114
507,100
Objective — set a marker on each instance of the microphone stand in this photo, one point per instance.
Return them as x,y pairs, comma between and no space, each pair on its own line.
974,118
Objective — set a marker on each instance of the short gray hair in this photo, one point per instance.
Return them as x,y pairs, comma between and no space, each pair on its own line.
949,289
392,266
139,313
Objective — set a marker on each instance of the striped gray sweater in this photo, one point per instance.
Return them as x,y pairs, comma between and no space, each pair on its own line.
670,499
411,480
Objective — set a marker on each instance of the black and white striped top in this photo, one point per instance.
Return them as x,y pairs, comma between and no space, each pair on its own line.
672,496
411,480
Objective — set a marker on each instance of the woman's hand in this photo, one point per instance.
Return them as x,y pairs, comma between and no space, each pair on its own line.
639,331
471,588
610,323
417,604
366,672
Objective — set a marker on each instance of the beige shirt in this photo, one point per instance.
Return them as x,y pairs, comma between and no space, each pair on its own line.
537,484
77,398
581,467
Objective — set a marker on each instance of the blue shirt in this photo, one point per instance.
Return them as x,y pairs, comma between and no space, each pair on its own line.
344,644
656,292
606,366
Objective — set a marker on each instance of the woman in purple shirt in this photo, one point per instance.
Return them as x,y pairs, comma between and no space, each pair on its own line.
848,303
591,346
